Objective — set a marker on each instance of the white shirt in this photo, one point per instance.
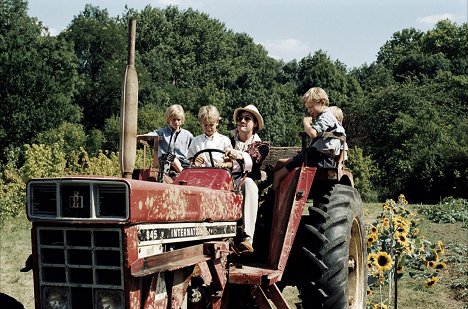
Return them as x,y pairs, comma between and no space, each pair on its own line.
216,141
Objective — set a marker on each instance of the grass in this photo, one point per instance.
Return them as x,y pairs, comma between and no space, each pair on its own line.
15,247
450,292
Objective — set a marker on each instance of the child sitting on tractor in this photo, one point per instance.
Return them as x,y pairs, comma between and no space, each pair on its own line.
324,129
208,117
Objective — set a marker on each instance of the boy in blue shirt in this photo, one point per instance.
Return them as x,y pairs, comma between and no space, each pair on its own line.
174,139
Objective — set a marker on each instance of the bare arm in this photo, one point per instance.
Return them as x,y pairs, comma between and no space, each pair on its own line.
308,127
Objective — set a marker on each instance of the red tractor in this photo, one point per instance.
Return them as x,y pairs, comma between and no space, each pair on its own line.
132,242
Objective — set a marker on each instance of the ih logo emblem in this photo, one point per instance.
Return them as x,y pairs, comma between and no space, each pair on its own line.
76,200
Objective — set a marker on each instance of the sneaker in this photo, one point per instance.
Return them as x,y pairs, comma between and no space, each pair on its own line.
246,246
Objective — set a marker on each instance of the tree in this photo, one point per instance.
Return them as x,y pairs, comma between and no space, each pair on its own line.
400,45
450,41
38,77
99,42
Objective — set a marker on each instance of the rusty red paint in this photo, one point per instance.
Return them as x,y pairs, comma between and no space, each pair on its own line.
134,296
155,202
301,193
253,275
157,297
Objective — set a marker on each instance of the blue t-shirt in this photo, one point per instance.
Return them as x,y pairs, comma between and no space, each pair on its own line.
174,142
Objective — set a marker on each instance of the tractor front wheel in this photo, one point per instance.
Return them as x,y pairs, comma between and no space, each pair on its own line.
334,251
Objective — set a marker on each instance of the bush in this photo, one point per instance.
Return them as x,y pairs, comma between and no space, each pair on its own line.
12,187
364,171
449,210
45,161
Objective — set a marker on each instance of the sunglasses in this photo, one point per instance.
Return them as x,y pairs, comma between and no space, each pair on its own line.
246,118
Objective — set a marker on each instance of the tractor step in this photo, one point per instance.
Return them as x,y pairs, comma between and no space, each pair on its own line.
256,275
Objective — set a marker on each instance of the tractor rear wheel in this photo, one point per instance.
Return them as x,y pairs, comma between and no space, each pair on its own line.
334,251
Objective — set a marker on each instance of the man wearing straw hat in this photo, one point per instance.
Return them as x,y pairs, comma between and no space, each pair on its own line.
248,122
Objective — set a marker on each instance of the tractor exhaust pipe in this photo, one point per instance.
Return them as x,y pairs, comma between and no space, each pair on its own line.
129,109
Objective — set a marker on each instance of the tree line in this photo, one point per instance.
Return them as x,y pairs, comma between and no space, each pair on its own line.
406,113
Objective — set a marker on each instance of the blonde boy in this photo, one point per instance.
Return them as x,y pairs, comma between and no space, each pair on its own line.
208,117
324,130
174,139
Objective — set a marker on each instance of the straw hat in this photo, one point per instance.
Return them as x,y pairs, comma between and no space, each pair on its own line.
254,111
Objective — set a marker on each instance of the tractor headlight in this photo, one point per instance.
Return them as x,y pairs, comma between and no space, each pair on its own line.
107,299
56,298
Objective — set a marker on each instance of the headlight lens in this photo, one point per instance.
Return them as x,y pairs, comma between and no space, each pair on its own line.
106,299
56,298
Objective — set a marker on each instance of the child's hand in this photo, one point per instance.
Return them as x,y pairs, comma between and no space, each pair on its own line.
307,120
199,161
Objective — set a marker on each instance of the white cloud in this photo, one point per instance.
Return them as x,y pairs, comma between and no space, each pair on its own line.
54,32
286,49
433,19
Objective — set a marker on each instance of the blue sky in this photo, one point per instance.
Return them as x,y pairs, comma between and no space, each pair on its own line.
351,31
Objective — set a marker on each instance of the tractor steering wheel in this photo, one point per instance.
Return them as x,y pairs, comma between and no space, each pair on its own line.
210,151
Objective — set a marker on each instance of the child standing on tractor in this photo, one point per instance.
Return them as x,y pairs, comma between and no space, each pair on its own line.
208,117
324,129
174,140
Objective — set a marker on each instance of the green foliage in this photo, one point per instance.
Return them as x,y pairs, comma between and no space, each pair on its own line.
43,161
99,43
38,75
103,164
12,186
364,171
68,136
449,210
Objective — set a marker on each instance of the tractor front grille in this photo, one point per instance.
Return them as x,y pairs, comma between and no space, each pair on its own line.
80,259
70,199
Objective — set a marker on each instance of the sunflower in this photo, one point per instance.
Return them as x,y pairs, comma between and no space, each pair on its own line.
432,281
380,306
440,247
431,264
383,261
372,257
373,229
371,238
401,239
386,222
387,207
440,265
400,222
402,229
402,199
369,292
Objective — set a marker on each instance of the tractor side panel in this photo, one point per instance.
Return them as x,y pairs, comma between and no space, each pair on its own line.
155,202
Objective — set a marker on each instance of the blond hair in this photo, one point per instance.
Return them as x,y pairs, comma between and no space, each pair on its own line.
175,111
315,94
337,112
208,114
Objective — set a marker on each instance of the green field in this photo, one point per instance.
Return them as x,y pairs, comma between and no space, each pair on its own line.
451,292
